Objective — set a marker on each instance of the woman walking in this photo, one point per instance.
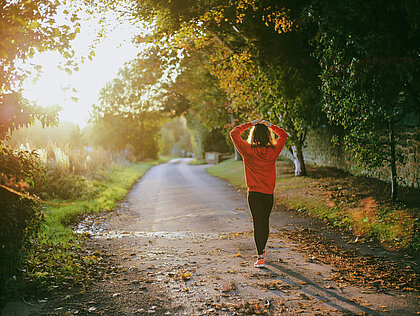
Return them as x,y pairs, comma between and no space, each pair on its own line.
260,153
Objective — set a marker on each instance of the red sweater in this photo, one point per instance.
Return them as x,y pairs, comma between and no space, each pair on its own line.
259,162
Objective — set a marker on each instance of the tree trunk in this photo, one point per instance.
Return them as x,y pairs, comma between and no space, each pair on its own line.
300,169
141,145
237,154
394,184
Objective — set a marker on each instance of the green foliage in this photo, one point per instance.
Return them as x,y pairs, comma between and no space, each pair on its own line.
175,137
56,184
370,71
270,59
257,54
198,135
66,163
206,100
126,117
21,218
50,172
18,167
27,27
20,224
204,139
138,133
204,104
16,112
216,141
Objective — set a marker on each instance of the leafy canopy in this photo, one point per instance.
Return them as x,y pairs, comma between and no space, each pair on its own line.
370,71
27,27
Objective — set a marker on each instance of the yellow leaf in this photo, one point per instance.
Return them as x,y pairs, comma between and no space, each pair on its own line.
33,25
3,54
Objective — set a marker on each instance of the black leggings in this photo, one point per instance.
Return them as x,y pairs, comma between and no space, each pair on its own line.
260,205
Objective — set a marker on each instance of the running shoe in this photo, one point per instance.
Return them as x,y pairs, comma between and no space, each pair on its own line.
259,263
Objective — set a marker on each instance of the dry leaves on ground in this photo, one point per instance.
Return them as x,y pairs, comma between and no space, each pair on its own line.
349,266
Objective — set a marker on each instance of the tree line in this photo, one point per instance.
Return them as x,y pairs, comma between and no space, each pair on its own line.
351,66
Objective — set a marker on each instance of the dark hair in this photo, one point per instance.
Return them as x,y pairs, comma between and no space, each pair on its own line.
261,136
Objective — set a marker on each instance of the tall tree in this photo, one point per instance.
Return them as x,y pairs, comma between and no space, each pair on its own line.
370,73
126,115
196,92
257,50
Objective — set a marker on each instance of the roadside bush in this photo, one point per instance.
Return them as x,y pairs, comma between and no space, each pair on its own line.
21,221
52,172
20,217
56,184
70,169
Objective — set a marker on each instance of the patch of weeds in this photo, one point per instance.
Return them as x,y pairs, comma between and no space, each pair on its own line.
394,226
52,263
21,220
414,246
63,185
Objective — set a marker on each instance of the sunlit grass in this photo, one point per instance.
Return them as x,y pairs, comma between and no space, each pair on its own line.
116,183
231,170
197,162
55,254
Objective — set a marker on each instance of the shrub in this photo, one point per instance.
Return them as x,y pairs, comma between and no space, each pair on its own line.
69,167
21,221
20,217
56,184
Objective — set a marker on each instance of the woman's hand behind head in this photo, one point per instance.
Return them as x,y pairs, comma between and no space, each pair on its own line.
267,123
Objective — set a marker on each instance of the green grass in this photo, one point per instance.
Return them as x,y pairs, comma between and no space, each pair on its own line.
231,170
55,256
116,183
197,162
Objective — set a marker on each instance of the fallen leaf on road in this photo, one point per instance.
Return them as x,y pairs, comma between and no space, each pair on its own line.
181,275
229,287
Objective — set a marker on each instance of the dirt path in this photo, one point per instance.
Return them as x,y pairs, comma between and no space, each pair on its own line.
181,244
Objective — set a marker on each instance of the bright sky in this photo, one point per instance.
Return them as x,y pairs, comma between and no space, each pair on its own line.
111,53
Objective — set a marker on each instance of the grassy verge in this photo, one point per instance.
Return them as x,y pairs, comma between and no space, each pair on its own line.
57,256
231,170
359,204
197,162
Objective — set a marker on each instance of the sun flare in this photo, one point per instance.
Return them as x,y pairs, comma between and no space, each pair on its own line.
75,93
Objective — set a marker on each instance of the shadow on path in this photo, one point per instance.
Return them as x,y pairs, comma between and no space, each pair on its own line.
322,293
